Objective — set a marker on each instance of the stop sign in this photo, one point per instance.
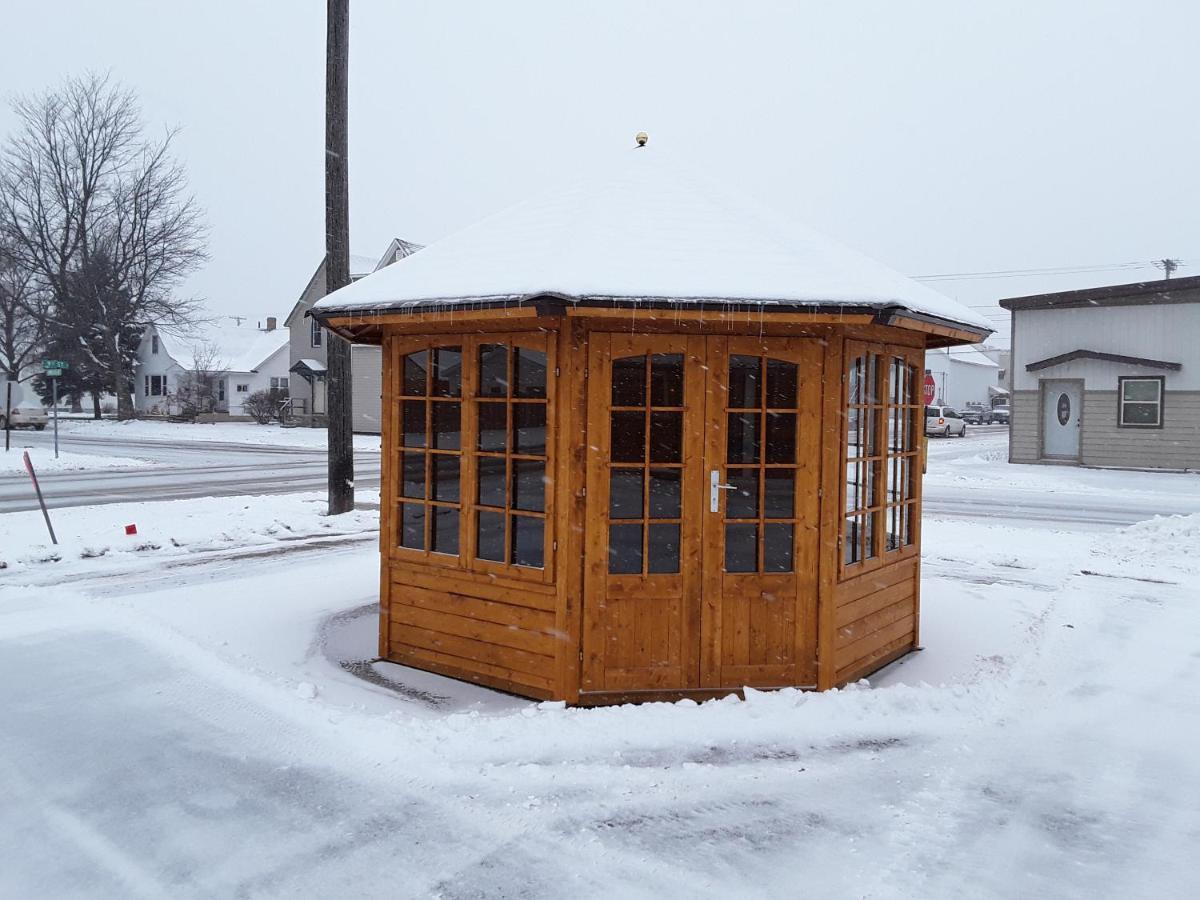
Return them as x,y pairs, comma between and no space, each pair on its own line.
929,389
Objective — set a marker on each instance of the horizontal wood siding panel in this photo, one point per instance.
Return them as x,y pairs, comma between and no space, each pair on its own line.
1174,446
888,612
1023,427
860,656
872,603
473,629
856,588
475,608
472,670
471,650
879,658
474,584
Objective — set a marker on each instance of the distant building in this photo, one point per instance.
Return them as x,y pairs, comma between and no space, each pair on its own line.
307,353
237,359
964,377
1108,376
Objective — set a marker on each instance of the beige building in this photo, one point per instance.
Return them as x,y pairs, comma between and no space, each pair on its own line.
1108,376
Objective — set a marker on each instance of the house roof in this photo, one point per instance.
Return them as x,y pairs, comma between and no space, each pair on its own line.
1140,293
238,348
644,230
360,267
971,356
1103,357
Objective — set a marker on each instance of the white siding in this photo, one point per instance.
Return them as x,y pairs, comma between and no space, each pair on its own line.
367,388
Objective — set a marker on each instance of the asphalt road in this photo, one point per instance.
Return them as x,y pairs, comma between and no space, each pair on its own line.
181,470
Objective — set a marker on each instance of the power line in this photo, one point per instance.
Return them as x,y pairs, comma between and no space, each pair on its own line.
1049,270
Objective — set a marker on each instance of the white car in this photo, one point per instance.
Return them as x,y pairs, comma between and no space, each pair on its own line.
943,421
24,413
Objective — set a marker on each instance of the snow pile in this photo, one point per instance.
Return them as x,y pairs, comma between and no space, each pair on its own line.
44,461
1158,548
92,539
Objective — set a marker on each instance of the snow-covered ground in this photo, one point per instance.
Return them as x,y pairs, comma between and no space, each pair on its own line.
68,461
205,720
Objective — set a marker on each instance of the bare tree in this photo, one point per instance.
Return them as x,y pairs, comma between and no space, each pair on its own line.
22,320
198,389
103,218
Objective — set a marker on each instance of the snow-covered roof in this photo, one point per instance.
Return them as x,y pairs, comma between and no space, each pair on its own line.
970,355
238,348
312,365
361,265
647,229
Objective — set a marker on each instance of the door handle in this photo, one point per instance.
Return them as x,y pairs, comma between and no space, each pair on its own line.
714,490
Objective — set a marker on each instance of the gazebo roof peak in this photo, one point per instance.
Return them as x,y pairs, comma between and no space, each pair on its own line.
645,229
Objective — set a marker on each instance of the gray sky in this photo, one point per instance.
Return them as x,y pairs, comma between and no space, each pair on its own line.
939,137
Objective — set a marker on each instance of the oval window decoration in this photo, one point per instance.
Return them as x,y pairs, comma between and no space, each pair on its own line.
1064,409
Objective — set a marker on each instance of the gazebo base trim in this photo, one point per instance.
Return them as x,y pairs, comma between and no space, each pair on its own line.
612,698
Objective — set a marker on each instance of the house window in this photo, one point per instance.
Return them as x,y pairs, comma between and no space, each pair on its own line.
243,388
1140,402
315,331
156,386
883,416
474,458
279,384
221,390
154,343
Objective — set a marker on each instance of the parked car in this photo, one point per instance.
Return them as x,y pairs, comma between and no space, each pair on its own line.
997,415
973,415
944,421
24,417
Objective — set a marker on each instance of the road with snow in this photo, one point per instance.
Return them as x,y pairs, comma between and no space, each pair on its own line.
175,469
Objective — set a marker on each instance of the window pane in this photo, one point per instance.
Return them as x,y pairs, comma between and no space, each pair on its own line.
529,372
625,494
853,481
871,380
741,547
854,432
1140,390
742,501
666,437
529,428
781,437
493,427
892,538
744,382
528,541
416,367
851,539
529,485
895,441
414,423
625,549
1140,413
779,493
412,475
628,437
742,439
446,426
412,526
777,548
893,479
664,493
781,384
868,536
871,489
445,530
443,477
493,370
489,536
854,386
663,548
490,480
629,381
666,379
447,372
870,431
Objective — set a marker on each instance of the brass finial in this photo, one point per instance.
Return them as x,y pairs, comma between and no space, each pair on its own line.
641,138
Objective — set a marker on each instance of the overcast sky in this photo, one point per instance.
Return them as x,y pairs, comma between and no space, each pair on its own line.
939,137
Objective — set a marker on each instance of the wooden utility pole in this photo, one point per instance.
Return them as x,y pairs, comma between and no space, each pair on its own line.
337,255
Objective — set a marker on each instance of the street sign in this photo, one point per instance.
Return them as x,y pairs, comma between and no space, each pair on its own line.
930,389
49,364
53,373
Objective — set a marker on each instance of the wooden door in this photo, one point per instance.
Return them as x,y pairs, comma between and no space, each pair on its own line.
702,512
642,545
761,529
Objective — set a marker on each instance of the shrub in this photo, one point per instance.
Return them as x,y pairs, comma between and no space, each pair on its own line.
260,406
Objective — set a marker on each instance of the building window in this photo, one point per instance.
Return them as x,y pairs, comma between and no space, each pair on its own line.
221,390
156,386
883,416
315,332
154,343
1140,402
279,384
243,388
474,458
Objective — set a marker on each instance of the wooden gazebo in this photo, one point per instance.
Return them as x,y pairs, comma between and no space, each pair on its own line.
643,439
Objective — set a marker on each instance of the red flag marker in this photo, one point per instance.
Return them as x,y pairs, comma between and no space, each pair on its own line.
131,529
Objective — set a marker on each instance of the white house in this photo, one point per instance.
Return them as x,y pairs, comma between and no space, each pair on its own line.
1108,376
242,356
309,347
964,377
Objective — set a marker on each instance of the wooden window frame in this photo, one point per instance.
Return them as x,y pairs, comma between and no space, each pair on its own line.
877,511
1121,401
468,455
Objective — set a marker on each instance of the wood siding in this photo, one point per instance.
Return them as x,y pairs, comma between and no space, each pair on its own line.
875,619
1024,432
